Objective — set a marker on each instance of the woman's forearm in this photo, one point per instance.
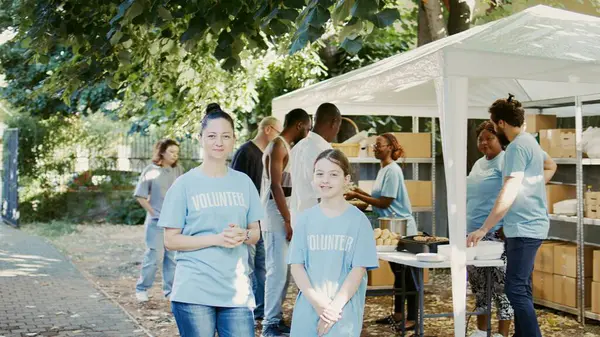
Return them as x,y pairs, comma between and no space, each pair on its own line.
186,243
146,205
379,203
349,287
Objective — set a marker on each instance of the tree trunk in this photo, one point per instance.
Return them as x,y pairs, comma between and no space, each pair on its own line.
461,13
424,35
437,26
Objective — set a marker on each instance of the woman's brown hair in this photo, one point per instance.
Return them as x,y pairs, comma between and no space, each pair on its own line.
397,150
160,148
337,157
488,126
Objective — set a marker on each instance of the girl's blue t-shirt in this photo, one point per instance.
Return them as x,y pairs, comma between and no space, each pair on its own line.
202,205
329,248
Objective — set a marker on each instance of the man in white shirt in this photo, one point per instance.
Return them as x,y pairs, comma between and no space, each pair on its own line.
327,123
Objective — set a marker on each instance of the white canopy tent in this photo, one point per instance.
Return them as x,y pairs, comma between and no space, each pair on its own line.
539,53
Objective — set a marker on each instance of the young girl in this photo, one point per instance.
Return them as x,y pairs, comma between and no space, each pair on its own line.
331,250
211,215
150,192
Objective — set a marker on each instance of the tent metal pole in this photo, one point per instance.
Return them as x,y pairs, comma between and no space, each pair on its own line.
580,229
433,177
415,166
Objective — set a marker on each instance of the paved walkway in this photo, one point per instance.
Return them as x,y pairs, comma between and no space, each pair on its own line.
42,294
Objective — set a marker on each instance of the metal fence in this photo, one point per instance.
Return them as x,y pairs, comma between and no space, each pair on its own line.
9,209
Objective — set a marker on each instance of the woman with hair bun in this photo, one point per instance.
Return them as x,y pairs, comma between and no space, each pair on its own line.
389,198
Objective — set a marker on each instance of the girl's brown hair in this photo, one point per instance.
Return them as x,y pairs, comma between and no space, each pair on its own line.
160,148
337,157
397,150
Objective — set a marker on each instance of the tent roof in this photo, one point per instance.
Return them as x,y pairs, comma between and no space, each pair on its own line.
539,53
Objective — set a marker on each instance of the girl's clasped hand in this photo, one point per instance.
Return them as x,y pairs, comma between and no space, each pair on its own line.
232,236
328,317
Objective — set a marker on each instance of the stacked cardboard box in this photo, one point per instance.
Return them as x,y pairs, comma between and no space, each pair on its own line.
592,205
415,145
596,283
558,192
565,274
558,143
536,123
555,273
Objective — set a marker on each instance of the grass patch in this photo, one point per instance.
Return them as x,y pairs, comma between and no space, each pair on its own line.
52,229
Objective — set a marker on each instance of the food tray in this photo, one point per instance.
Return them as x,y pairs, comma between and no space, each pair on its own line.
386,248
416,247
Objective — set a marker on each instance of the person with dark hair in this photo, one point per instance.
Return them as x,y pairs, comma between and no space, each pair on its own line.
331,251
150,192
483,186
327,123
211,216
248,159
390,199
521,204
276,189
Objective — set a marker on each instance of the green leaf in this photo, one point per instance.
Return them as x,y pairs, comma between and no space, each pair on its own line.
294,3
351,31
386,17
364,8
116,38
277,27
127,44
124,57
230,63
164,13
318,16
154,47
341,11
44,59
299,42
196,27
352,46
123,7
134,11
287,14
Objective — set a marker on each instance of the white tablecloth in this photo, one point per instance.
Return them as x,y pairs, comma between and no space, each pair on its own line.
409,259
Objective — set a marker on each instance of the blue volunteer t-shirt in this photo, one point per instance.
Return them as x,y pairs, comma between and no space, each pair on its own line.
329,248
483,186
528,216
390,184
202,205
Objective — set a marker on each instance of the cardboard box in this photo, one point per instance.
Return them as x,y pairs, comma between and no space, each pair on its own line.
565,260
382,276
565,291
419,192
536,123
543,286
596,263
596,297
415,145
544,260
591,212
558,143
557,192
592,198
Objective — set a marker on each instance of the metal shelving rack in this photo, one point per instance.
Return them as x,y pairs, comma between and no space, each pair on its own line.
577,102
415,169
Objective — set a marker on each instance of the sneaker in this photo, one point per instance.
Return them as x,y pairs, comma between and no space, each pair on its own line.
272,331
478,333
142,296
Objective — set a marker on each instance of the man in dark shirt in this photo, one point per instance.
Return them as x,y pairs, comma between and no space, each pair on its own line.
248,159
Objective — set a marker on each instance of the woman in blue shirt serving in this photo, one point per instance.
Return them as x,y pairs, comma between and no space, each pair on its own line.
483,186
211,215
390,199
331,250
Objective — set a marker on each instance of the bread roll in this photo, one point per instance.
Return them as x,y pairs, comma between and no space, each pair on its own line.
387,242
395,242
377,233
385,234
379,242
